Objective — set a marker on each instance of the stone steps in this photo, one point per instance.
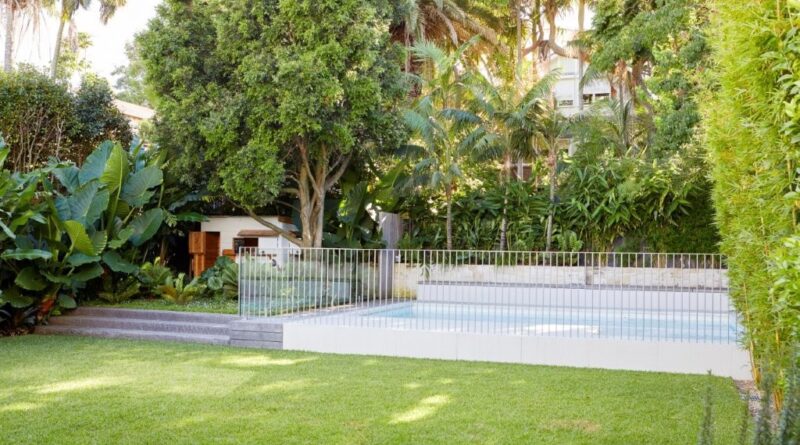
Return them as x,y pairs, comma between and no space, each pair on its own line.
133,324
134,334
219,329
143,325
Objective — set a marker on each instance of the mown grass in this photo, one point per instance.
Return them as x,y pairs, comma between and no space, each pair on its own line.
211,305
72,390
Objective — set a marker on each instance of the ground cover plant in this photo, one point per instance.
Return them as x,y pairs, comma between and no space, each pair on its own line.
141,392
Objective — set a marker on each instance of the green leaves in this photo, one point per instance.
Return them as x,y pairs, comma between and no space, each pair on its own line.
30,279
95,164
26,254
136,190
85,205
116,263
115,170
145,226
82,242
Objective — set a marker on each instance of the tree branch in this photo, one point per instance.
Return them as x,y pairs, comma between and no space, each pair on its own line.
283,232
334,178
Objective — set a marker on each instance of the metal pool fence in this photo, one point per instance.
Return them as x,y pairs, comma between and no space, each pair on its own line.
635,296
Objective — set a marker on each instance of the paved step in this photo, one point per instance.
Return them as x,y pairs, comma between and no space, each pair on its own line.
143,314
133,334
141,324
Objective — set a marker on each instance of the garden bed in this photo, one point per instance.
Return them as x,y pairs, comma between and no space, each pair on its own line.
214,306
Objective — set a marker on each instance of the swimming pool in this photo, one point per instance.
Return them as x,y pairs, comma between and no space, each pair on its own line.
643,325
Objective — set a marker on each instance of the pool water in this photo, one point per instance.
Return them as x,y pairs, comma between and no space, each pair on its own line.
697,326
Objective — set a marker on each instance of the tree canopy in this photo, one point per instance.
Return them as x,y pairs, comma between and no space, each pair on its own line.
280,95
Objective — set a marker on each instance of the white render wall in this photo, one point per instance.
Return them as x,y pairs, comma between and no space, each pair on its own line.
407,279
230,226
725,360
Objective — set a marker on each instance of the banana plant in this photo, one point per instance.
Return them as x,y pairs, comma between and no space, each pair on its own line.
91,221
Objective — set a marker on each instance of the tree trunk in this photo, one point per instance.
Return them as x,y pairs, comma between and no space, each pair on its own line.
9,43
57,49
504,221
449,197
553,163
581,19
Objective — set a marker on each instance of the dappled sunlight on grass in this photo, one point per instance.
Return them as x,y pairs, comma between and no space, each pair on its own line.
264,360
81,384
425,408
286,385
414,385
576,425
20,406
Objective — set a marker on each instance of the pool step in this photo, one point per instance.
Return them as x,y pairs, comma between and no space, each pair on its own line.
143,325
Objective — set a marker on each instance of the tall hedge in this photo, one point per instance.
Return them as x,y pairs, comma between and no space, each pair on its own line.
753,151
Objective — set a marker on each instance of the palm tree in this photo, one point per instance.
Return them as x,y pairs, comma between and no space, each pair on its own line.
445,22
444,136
510,117
13,9
552,130
68,10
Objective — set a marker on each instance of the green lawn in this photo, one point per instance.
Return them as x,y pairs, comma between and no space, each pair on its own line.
82,390
215,306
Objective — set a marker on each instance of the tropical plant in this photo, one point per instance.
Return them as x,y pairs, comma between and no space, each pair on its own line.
445,23
222,279
511,120
177,290
154,274
553,129
119,290
61,235
444,135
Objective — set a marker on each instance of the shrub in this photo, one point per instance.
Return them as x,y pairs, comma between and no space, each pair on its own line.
41,119
752,132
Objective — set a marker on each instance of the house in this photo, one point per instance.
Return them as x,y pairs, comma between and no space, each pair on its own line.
136,114
226,235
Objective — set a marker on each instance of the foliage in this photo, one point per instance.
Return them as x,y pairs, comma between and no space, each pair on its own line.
750,134
130,83
177,290
222,279
607,197
98,117
154,274
42,119
59,237
254,97
767,430
119,290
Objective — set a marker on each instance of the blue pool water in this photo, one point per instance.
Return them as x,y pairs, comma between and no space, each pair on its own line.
710,327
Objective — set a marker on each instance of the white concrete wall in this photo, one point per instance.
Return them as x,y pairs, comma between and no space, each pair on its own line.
726,360
230,226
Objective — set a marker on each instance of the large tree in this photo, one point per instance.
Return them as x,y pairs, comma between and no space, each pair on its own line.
270,97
